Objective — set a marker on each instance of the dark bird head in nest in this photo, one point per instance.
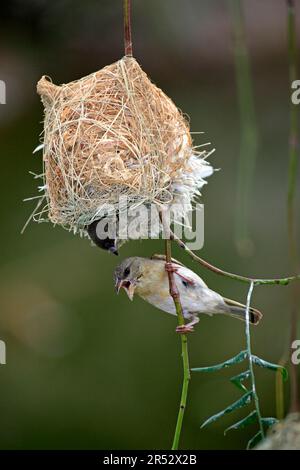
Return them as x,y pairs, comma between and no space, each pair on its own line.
104,242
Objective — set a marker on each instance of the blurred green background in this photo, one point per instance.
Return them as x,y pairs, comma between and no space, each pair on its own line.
86,368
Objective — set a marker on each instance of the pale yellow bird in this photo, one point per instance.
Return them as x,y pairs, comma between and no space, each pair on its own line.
148,278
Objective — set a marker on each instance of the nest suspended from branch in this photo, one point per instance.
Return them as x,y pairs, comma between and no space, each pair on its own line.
111,134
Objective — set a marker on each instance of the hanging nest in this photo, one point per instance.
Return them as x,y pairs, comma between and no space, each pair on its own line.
112,134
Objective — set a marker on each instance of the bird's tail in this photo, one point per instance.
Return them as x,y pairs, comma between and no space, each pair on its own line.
238,310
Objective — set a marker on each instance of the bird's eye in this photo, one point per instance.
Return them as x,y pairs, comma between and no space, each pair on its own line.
126,272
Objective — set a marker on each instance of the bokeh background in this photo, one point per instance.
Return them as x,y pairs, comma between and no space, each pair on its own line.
86,368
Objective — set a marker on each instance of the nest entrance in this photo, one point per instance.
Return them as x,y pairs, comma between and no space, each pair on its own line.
110,134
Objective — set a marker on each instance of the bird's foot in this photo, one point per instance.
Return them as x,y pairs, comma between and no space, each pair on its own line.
183,329
170,268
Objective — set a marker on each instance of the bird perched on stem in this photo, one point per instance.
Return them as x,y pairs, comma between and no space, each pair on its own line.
148,278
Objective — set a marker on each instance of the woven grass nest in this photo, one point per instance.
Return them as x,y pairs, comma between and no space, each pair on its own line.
114,133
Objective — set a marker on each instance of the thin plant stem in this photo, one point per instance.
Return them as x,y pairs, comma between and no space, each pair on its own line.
292,179
184,343
249,354
279,389
257,281
127,28
248,129
293,135
184,351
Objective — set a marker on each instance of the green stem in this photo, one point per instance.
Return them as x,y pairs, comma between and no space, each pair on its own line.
293,137
292,179
249,353
184,392
279,388
127,28
256,281
248,143
184,350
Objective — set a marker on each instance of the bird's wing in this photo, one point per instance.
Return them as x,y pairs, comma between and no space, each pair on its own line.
196,296
185,273
233,303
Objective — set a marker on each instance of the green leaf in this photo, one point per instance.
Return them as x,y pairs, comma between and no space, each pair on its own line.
250,419
234,360
268,422
268,365
243,401
238,379
254,440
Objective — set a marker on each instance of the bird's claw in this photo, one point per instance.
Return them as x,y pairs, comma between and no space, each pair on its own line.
183,329
170,268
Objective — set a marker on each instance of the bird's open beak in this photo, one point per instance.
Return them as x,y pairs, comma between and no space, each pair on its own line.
128,286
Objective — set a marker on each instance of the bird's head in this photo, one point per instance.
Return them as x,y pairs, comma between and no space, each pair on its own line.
98,234
128,274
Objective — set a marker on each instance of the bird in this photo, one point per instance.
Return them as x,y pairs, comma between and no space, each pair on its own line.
106,243
148,278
